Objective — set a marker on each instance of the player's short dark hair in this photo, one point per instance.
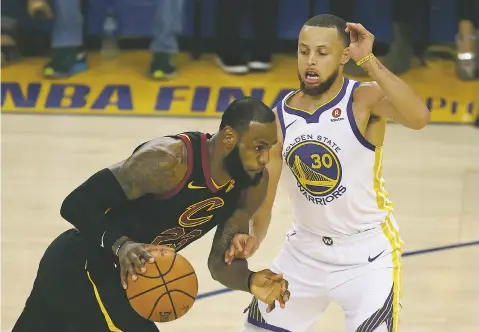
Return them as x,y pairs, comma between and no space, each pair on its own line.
330,21
241,112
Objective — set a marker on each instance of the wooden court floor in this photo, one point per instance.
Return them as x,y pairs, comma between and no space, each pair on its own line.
432,177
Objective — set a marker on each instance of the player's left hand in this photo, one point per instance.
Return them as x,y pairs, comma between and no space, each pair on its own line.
270,287
361,41
133,256
242,246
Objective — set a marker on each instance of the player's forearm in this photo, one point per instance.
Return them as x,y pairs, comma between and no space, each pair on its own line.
85,208
406,102
259,225
235,276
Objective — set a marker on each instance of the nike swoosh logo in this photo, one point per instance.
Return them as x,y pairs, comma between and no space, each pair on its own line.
192,186
103,245
372,259
289,125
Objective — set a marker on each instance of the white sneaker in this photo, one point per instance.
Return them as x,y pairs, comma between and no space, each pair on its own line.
232,69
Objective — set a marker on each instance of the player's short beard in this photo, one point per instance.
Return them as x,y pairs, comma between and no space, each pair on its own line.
234,167
321,88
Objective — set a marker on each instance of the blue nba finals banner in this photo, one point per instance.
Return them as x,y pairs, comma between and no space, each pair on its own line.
201,89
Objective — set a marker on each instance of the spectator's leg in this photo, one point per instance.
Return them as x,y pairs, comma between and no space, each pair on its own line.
68,57
467,45
343,8
8,42
264,17
229,47
468,10
164,46
405,14
12,11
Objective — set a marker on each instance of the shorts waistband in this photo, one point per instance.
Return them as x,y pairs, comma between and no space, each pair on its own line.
345,239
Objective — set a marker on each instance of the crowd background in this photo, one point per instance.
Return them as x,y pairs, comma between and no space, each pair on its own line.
243,34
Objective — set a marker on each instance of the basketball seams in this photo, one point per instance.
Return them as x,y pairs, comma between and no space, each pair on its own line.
158,286
144,292
182,292
169,269
180,299
166,287
156,303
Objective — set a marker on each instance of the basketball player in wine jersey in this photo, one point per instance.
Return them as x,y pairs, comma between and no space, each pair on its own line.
168,193
344,244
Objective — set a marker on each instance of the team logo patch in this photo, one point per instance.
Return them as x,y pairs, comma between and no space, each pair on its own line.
315,166
197,214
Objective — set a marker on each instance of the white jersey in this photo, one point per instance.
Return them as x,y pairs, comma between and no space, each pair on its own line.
332,173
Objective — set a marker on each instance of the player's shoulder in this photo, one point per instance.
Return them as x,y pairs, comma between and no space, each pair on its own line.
368,93
368,87
167,151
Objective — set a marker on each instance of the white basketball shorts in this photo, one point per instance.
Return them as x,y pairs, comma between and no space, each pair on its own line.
362,273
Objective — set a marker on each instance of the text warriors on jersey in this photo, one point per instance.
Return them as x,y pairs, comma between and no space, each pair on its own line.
313,160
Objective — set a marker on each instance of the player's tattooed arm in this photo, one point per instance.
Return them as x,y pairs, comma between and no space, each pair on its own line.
154,168
237,274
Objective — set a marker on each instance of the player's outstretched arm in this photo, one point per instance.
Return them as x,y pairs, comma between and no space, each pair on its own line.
155,168
265,285
236,274
390,97
259,223
245,245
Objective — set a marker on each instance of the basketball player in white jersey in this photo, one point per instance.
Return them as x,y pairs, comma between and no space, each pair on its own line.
344,244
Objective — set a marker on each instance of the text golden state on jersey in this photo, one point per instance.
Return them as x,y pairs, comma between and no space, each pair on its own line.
314,162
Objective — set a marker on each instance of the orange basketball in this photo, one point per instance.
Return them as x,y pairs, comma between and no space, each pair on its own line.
166,291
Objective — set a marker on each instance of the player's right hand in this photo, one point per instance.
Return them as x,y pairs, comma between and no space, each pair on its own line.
242,246
133,256
270,287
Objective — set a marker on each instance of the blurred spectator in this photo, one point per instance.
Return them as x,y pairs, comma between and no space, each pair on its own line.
68,54
9,44
231,55
166,27
39,9
11,11
345,9
467,66
405,15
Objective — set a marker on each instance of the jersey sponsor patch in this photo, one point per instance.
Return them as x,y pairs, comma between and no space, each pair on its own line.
336,115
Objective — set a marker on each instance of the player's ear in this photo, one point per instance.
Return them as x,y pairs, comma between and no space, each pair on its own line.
230,137
345,56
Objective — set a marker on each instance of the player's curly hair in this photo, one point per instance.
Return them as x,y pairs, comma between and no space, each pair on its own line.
241,112
330,21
